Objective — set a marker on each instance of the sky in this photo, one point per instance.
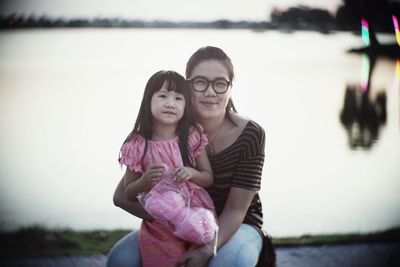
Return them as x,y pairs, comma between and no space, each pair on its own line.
175,10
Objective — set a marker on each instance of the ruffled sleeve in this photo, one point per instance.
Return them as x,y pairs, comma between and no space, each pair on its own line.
197,140
132,153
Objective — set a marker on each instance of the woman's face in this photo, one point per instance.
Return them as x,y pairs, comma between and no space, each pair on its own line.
209,104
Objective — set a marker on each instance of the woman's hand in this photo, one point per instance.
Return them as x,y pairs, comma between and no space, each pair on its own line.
182,174
196,258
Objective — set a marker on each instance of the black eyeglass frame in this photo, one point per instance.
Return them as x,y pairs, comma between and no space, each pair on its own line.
208,84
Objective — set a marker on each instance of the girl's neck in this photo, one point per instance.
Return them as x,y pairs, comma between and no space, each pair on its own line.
163,132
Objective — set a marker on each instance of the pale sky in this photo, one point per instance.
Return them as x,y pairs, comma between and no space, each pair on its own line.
175,10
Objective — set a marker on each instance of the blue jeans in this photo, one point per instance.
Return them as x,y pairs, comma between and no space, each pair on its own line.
242,250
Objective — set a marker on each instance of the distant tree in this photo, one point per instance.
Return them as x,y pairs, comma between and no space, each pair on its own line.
377,12
301,15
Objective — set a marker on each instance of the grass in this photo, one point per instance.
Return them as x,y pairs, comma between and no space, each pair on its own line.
36,241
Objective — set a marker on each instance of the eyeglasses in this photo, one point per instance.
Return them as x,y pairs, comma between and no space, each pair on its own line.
200,84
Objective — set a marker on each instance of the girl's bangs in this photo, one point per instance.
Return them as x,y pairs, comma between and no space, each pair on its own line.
176,85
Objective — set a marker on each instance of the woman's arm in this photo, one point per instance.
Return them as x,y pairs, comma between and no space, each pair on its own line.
230,219
132,206
202,175
233,214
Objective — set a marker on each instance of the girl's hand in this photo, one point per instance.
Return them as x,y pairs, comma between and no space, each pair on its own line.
195,258
153,173
182,174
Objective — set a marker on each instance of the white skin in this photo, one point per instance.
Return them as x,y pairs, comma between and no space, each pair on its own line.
210,110
167,108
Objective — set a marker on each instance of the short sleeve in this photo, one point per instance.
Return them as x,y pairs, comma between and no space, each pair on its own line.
197,140
132,153
249,169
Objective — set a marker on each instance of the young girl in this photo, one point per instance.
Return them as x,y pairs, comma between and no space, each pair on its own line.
166,169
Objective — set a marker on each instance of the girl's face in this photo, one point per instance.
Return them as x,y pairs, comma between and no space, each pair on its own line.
167,107
209,104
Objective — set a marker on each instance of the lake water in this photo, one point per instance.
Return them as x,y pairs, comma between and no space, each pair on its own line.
68,98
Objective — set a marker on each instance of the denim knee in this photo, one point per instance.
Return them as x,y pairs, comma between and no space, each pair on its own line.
247,256
242,250
125,253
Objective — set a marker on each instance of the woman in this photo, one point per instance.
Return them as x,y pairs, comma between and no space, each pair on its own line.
236,154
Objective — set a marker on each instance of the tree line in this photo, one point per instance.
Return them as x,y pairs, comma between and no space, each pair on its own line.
346,18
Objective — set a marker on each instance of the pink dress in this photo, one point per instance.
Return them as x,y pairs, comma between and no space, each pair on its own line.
184,213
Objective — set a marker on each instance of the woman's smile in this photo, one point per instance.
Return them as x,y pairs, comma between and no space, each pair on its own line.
169,112
209,104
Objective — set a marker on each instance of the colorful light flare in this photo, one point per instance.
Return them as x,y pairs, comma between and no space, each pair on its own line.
398,70
365,31
365,66
396,28
396,81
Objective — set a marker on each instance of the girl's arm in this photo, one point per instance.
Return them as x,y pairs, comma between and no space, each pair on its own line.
202,175
134,183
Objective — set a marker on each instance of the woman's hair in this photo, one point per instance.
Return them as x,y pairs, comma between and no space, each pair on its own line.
213,53
144,121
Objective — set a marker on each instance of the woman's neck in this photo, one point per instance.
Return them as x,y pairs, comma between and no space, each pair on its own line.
212,125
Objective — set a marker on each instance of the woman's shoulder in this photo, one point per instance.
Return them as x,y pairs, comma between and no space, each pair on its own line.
248,125
252,137
254,126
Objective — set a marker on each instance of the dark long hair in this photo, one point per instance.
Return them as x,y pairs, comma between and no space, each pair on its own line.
213,53
144,121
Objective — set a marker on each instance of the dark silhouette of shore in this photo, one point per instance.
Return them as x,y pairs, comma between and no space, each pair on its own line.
17,21
346,18
391,51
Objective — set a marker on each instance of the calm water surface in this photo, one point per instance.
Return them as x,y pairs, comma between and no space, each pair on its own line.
68,98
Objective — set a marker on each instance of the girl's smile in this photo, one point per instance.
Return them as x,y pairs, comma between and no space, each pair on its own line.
167,107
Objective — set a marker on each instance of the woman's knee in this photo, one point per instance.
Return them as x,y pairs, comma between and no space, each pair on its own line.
125,253
242,250
247,256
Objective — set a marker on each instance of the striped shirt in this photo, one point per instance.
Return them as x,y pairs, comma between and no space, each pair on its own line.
240,165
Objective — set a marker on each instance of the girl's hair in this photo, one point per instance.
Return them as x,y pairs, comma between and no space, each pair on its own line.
213,53
144,121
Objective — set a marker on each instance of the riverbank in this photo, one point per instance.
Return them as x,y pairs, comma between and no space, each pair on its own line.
37,241
372,254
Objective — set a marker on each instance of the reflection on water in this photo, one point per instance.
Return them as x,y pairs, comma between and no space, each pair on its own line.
363,115
68,98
